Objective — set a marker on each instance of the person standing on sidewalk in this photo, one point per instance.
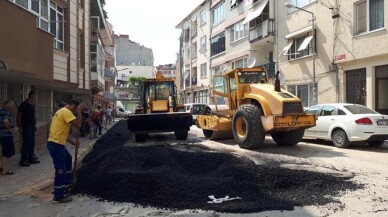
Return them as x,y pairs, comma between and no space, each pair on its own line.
63,119
6,135
27,127
108,115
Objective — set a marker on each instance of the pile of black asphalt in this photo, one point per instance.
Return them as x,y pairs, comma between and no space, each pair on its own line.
181,177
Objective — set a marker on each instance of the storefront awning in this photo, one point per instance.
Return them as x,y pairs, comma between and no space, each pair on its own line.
255,11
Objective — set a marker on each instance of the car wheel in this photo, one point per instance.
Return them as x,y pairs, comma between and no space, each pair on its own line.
375,143
247,128
289,138
340,139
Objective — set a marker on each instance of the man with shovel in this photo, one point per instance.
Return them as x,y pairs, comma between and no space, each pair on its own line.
70,114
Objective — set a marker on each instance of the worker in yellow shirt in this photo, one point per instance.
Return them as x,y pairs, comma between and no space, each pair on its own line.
62,120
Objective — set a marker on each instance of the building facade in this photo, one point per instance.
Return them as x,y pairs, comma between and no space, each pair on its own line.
222,35
130,53
335,49
44,48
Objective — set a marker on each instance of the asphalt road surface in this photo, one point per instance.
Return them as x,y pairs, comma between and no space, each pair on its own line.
366,165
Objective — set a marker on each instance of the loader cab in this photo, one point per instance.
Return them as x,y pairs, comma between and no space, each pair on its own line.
159,96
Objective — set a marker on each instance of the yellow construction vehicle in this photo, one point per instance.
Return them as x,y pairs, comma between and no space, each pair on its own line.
158,110
253,109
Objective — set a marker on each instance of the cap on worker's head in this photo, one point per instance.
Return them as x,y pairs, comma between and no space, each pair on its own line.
61,104
98,106
73,102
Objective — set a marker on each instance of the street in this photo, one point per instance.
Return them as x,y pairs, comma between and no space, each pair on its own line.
367,165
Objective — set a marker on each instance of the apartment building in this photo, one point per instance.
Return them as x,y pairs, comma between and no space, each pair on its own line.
44,47
133,61
130,53
225,35
350,44
348,40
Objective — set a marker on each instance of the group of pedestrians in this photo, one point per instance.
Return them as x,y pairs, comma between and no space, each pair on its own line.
69,115
26,123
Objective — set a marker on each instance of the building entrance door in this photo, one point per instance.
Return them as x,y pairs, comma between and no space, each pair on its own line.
382,89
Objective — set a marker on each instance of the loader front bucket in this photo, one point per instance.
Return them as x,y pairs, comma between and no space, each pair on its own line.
159,122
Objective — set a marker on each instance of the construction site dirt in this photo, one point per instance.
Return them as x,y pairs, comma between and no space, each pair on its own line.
181,176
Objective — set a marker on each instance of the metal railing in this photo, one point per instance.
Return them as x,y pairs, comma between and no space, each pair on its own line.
257,32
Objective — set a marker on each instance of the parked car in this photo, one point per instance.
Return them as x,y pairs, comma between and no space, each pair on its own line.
344,123
122,112
195,109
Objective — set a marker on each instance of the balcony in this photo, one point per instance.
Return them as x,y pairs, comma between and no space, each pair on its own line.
108,95
109,74
194,80
262,30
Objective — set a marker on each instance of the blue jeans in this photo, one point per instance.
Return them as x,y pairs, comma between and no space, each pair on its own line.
28,145
62,163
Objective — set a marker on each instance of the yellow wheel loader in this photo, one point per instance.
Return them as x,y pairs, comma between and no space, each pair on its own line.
253,108
158,111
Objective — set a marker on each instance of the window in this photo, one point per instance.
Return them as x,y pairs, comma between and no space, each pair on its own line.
39,8
56,25
97,60
218,14
239,31
328,111
202,45
218,44
203,70
235,3
298,3
239,63
220,84
194,50
304,92
202,17
299,47
23,3
356,86
369,15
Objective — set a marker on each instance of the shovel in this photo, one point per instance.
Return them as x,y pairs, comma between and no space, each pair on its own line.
75,158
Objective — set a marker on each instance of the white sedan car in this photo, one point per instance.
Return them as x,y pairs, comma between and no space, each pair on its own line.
344,123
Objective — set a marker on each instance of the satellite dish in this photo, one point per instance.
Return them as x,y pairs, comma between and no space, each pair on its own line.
186,74
185,25
193,18
251,61
202,50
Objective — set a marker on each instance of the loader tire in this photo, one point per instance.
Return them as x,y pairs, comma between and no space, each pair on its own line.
247,128
141,137
181,134
288,138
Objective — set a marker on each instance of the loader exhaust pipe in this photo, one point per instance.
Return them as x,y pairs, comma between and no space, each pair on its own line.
277,82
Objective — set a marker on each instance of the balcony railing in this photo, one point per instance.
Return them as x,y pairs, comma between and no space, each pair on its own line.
270,69
108,95
261,31
109,74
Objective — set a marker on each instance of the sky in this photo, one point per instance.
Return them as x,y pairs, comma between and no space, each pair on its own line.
151,23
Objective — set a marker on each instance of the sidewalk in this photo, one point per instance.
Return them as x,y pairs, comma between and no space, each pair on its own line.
39,176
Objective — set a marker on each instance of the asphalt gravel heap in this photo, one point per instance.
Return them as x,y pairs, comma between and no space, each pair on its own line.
183,176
